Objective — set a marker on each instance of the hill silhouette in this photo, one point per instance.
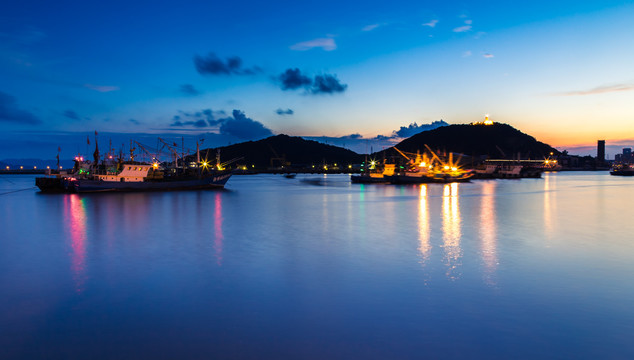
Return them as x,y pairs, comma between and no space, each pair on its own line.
294,151
497,141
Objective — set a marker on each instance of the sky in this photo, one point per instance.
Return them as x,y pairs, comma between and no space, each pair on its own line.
343,72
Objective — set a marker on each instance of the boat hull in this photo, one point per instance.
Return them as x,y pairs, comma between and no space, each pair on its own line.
365,179
72,185
208,182
622,172
409,179
50,184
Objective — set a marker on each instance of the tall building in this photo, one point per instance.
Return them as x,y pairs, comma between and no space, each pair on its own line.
600,152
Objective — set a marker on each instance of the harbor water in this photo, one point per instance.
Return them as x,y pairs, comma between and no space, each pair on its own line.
315,267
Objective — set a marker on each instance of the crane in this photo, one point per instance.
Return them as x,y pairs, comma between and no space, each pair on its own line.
174,152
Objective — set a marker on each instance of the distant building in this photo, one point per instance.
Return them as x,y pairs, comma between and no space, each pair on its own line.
627,157
600,152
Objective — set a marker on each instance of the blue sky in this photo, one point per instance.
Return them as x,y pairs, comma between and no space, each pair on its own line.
229,72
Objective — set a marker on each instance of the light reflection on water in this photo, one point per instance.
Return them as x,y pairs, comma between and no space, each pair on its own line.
451,230
283,268
76,215
423,225
218,237
488,230
548,204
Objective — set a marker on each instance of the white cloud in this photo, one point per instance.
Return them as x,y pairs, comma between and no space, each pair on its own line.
466,53
431,24
327,44
488,56
600,90
462,28
465,27
370,27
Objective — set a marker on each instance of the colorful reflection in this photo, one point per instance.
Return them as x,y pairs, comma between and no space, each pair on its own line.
451,230
423,225
76,220
218,228
488,231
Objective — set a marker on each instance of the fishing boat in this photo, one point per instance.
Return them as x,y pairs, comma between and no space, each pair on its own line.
422,170
116,175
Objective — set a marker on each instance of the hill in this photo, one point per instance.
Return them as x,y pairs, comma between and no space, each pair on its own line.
282,149
497,141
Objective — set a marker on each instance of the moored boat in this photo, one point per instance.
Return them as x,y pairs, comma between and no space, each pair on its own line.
423,169
112,175
622,170
374,175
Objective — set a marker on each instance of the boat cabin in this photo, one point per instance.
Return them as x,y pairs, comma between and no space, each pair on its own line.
129,173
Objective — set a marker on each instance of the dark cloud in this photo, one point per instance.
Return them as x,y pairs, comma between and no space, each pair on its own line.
382,137
327,84
356,142
201,123
361,145
413,129
197,123
71,114
213,65
242,127
199,119
9,112
284,112
293,79
134,121
189,89
237,126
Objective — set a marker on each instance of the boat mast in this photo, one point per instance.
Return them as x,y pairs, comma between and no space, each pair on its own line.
197,153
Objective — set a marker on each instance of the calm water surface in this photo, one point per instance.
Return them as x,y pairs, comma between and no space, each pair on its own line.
318,268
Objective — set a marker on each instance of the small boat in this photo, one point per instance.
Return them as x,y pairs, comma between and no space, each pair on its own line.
290,176
374,176
512,169
622,170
